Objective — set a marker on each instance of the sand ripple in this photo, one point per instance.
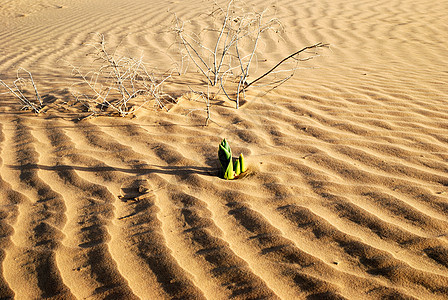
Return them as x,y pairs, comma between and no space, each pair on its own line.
347,196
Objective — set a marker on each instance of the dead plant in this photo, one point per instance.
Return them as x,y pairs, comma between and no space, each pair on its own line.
232,51
116,82
18,90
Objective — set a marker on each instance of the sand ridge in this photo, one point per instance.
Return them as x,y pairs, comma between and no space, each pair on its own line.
347,196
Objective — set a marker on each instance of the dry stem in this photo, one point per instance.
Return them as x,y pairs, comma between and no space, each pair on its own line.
18,92
117,81
224,59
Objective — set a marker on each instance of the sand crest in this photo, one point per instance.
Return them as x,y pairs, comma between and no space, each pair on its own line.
347,191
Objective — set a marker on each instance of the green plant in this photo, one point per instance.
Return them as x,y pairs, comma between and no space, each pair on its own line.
230,170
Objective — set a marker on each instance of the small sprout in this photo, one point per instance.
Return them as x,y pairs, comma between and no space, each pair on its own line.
237,167
229,174
230,170
242,164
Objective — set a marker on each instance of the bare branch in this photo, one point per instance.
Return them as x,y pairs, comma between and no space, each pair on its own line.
318,45
117,81
19,93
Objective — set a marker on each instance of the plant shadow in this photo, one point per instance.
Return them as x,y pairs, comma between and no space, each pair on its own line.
181,171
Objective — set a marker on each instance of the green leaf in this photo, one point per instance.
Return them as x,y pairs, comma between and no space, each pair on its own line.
229,174
237,167
242,163
226,145
225,157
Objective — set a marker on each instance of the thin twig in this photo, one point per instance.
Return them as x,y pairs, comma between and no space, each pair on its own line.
119,78
318,45
34,85
18,93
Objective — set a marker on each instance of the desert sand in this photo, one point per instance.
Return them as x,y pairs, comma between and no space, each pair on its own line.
347,191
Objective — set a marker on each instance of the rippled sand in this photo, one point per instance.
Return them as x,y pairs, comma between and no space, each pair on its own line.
347,195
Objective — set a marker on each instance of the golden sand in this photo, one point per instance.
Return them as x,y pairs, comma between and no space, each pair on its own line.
348,191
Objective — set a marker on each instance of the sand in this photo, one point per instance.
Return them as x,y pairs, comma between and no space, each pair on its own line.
347,191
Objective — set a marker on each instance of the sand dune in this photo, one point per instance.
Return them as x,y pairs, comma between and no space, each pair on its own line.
347,192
